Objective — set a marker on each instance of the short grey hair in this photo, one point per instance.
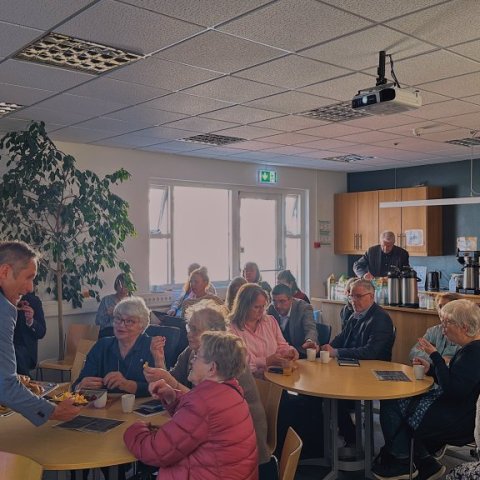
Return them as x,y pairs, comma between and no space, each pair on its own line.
463,313
388,236
133,307
365,284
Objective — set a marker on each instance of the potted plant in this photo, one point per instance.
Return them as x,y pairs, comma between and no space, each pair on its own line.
70,216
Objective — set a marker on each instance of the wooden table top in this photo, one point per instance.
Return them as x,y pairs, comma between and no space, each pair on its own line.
329,380
61,449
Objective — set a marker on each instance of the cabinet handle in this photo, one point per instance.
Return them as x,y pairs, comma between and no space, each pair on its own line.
354,241
360,237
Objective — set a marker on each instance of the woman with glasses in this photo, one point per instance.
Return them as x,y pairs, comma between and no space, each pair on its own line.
261,333
435,335
210,435
446,414
116,363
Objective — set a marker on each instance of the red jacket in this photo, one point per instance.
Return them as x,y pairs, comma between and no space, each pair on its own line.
209,437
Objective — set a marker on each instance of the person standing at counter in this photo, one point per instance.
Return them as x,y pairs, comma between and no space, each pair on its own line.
377,260
18,268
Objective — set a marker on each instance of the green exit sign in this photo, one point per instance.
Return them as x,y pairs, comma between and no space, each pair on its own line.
267,176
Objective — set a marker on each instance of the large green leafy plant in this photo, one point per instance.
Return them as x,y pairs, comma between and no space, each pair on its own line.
71,216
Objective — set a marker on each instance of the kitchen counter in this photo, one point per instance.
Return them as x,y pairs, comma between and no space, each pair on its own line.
411,323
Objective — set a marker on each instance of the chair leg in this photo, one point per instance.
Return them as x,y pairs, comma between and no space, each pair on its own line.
412,441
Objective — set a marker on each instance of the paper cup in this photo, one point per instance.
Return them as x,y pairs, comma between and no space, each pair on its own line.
324,357
128,401
311,354
419,372
101,401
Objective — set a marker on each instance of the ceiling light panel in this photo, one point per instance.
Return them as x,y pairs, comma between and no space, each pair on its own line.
6,108
337,112
211,139
464,142
75,54
349,158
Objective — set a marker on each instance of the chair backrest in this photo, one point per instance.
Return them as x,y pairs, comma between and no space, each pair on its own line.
169,321
83,348
172,337
77,331
270,395
324,331
290,455
18,467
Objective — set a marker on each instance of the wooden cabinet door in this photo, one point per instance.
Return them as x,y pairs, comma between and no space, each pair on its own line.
345,223
390,218
415,218
367,220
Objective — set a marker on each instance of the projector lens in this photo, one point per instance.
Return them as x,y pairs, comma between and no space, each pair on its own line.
365,100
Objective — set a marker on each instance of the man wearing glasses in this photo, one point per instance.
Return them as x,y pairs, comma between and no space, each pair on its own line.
368,335
377,260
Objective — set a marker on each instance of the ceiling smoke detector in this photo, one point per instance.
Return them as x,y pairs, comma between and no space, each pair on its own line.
350,158
212,139
75,54
6,108
337,112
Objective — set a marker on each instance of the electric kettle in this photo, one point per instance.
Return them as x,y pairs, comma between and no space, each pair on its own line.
432,282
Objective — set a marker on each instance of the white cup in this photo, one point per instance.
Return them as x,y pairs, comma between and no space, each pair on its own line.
311,354
419,372
101,401
324,357
128,401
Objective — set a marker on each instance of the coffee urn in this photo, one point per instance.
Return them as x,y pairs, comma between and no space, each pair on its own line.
393,286
409,287
471,269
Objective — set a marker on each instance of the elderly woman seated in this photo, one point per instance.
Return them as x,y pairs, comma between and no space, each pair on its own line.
261,333
210,435
446,414
202,317
117,362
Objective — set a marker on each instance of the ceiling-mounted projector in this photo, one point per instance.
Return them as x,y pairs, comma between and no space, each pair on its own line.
386,98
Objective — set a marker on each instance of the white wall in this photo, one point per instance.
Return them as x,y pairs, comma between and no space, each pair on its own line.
144,166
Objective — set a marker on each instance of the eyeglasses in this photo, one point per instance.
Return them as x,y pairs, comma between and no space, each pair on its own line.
128,322
448,322
357,296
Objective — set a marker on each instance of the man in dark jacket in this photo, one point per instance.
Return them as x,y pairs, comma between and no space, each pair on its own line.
295,318
368,335
377,260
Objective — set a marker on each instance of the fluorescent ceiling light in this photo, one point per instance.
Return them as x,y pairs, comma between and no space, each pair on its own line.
431,203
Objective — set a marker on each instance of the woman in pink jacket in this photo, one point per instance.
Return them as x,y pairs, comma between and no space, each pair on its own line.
210,435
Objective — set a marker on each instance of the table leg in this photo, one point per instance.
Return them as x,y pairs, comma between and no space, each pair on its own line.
333,474
368,438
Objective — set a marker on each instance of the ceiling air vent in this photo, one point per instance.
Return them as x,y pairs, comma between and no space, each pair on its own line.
337,112
348,158
68,52
211,139
465,142
6,108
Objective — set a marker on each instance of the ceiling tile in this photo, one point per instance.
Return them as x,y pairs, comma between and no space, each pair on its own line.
27,74
328,144
471,120
290,123
60,117
470,50
187,104
444,109
333,130
380,121
288,138
43,15
248,132
131,140
107,125
289,150
160,73
118,91
277,24
220,52
90,107
176,146
235,90
360,50
14,37
422,126
389,8
76,134
253,145
22,95
292,71
445,25
143,116
242,115
199,124
468,85
125,26
290,102
369,137
318,154
9,123
166,133
202,12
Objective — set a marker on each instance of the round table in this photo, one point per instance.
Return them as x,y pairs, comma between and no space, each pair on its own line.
61,449
333,382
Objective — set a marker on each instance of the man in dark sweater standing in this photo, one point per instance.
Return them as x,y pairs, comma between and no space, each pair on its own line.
18,267
377,260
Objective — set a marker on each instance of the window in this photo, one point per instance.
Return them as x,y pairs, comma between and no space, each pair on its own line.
222,228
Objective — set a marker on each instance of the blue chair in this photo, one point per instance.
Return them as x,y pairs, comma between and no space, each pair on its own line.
179,322
172,336
323,331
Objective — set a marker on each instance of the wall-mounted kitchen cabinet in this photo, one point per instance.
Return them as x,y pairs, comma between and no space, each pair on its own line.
355,222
